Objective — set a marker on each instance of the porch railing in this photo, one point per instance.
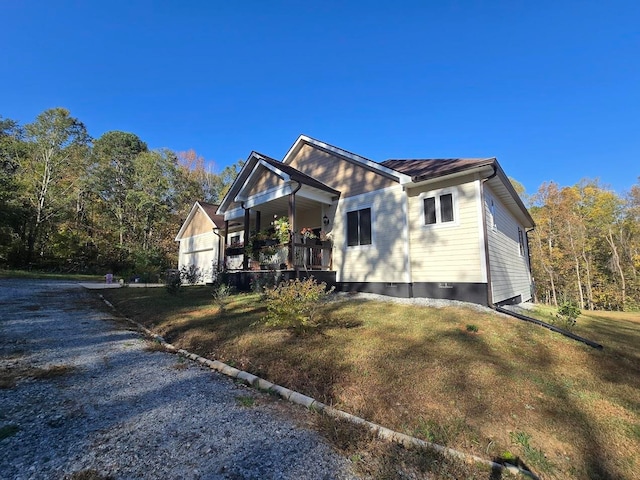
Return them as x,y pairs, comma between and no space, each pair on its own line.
299,253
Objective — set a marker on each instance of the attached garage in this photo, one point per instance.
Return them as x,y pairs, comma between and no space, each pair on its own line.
200,241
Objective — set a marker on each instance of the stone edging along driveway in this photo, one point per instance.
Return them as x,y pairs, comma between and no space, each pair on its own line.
312,404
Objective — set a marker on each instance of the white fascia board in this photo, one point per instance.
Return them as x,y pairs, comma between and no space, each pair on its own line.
401,177
242,197
274,169
316,195
235,213
238,183
267,196
470,172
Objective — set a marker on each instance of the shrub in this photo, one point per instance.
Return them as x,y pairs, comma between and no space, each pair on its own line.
191,274
173,281
295,304
221,294
568,312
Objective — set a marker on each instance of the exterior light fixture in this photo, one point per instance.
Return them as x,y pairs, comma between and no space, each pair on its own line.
325,221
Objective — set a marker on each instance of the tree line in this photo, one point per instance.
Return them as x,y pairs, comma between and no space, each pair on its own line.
72,203
585,248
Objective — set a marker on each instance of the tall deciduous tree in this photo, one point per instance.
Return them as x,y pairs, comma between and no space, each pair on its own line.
58,146
12,150
115,153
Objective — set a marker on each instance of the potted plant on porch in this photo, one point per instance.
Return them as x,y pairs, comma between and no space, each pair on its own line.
307,235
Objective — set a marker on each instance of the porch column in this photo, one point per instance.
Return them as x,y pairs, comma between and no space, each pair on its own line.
247,218
224,244
292,226
258,221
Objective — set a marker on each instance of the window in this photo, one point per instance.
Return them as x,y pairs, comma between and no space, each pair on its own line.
521,240
494,225
235,239
359,227
438,209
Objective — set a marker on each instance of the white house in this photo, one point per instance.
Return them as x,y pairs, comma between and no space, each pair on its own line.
200,243
439,228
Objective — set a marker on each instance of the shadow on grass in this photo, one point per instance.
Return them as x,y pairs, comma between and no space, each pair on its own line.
476,372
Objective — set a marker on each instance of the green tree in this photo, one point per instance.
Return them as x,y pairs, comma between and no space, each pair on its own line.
57,158
114,153
12,151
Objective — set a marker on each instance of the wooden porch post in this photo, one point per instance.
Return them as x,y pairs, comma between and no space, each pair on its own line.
224,244
258,221
292,226
247,218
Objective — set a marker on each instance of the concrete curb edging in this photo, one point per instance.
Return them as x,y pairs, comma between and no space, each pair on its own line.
312,404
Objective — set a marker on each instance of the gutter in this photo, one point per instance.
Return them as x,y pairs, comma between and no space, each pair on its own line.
486,236
220,248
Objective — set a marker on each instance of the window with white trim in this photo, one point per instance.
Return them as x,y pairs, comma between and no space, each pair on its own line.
439,209
521,241
359,227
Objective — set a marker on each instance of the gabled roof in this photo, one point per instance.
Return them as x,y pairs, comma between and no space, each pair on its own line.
284,171
352,157
209,209
406,172
423,169
298,176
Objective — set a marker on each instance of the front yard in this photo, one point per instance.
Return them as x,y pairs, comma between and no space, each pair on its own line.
480,382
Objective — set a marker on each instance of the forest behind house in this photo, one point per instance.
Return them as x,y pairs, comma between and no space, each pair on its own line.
74,204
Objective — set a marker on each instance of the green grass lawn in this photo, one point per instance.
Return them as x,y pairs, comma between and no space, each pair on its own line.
49,276
480,382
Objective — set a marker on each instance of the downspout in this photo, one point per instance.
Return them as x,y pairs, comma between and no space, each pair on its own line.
220,247
533,281
486,236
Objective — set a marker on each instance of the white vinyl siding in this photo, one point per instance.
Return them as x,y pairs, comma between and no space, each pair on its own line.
446,252
201,251
510,275
384,260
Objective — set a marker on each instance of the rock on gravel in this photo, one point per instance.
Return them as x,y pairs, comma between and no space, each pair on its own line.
130,413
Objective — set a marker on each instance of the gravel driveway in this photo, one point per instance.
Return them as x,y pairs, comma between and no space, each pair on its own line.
114,407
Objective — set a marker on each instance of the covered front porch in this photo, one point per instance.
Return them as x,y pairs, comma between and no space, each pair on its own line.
277,219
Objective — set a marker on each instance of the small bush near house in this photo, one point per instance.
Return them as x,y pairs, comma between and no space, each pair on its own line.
173,282
568,312
191,274
221,294
295,304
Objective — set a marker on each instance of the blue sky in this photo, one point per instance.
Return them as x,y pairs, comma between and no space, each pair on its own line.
551,88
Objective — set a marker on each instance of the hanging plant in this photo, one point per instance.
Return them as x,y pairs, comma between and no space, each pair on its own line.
282,228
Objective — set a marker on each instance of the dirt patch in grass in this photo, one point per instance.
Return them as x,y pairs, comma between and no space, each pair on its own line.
422,371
